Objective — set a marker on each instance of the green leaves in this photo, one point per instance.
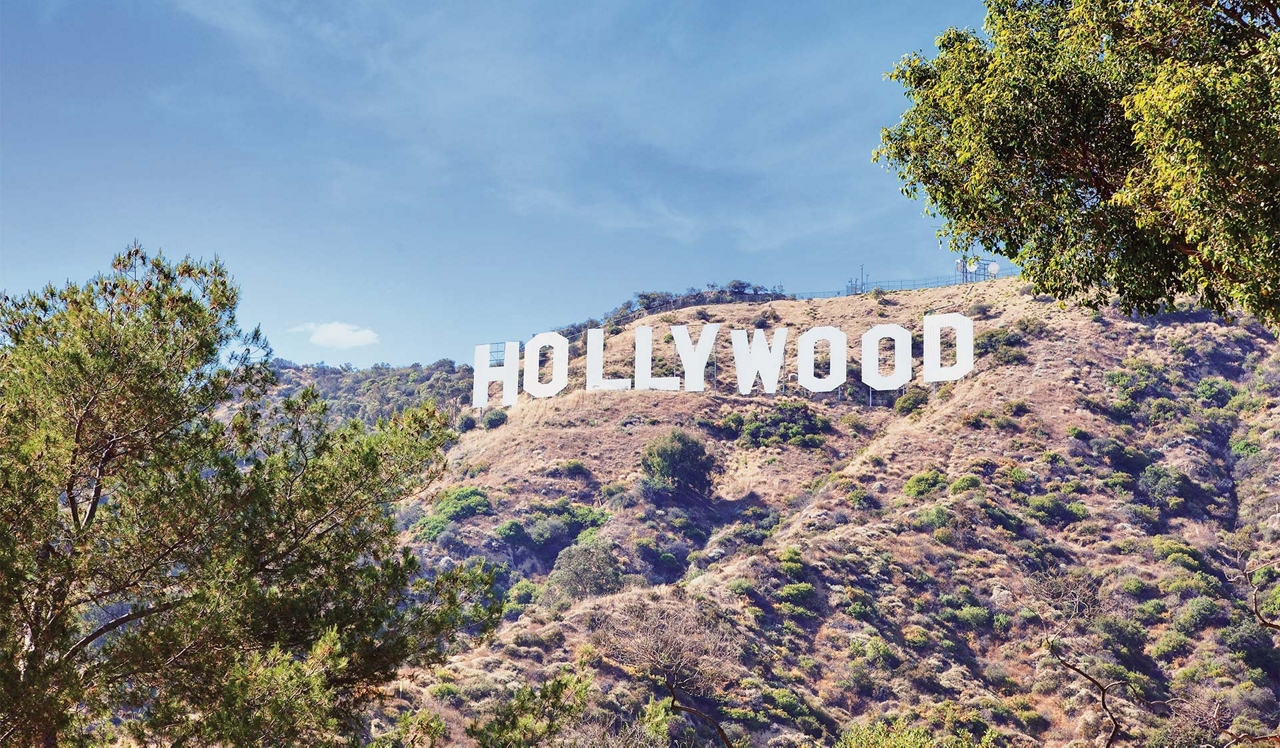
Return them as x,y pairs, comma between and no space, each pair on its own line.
175,546
1107,147
533,716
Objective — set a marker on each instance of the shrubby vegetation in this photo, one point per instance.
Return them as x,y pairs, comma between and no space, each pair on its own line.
452,505
788,422
678,462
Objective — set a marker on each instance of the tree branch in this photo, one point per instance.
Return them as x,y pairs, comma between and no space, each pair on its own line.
1052,644
675,704
116,623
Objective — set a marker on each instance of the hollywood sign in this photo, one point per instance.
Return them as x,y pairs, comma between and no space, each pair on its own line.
755,359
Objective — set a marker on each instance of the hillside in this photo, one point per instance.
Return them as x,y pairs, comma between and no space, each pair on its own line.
873,561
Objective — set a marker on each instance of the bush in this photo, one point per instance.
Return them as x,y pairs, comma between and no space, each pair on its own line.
461,502
1134,587
585,570
452,505
495,418
974,616
466,422
797,593
924,483
789,422
1170,645
914,399
1002,345
933,518
680,461
1215,390
1052,510
789,562
1198,613
512,532
965,483
1017,408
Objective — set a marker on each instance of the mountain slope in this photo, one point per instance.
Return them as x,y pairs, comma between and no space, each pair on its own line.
891,561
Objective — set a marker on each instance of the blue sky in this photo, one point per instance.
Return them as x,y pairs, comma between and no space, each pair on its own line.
401,181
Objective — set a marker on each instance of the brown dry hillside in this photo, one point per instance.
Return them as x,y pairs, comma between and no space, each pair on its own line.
872,562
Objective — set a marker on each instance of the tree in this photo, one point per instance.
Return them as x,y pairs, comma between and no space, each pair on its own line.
680,461
1109,147
585,570
673,644
182,562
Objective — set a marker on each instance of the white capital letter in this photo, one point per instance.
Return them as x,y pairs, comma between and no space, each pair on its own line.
595,365
871,357
761,357
806,351
559,364
644,365
508,373
934,371
694,360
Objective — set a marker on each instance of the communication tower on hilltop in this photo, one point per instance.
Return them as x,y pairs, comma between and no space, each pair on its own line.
974,269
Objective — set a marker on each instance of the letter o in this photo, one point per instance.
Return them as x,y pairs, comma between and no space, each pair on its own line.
871,375
559,364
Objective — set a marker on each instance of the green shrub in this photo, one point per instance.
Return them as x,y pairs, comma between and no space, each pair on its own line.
797,593
1016,476
914,399
932,518
585,570
466,422
790,422
1017,408
1164,547
1124,638
1150,612
1198,613
1075,432
1215,390
924,483
974,616
741,587
915,637
512,532
452,505
1170,645
1135,587
790,563
495,418
1002,344
1243,447
679,461
964,483
1053,511
900,735
1032,326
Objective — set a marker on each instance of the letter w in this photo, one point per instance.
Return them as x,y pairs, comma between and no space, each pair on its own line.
760,358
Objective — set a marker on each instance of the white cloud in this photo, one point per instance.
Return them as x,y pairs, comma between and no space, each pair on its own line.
337,334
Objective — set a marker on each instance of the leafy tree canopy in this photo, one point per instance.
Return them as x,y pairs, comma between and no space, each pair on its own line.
182,563
1109,147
